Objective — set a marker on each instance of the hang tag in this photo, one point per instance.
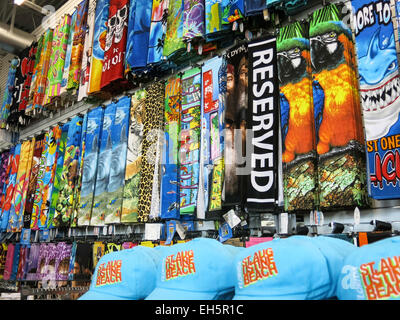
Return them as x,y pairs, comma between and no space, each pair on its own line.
180,230
225,232
284,223
104,231
200,49
241,27
357,216
69,232
234,26
231,218
248,35
171,229
266,15
152,231
189,47
25,236
96,231
110,230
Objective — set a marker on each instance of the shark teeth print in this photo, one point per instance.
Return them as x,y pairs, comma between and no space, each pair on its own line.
376,99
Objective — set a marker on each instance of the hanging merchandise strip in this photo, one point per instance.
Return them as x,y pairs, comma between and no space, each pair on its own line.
190,140
78,43
87,50
380,95
139,32
10,186
100,36
90,164
158,29
79,174
170,165
119,140
341,163
39,143
27,67
211,161
42,77
67,64
15,221
130,205
193,19
35,75
263,121
173,43
297,117
57,59
213,22
65,201
45,179
100,200
115,46
153,124
5,156
235,123
5,186
7,98
58,175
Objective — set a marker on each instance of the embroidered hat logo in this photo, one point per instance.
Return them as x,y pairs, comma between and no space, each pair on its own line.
179,266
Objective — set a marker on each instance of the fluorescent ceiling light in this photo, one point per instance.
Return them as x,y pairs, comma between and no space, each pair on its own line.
19,2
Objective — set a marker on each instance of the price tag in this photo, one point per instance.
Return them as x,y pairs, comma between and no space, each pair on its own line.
284,223
231,218
356,216
180,230
104,231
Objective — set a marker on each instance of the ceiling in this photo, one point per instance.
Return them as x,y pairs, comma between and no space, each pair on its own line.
26,19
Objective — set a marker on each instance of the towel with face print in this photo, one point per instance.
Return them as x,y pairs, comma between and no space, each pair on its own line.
67,184
35,173
78,185
170,163
45,179
235,122
57,59
263,123
57,178
189,152
134,158
119,138
297,117
74,73
8,189
15,221
193,19
115,45
380,95
212,143
99,38
151,151
341,156
42,78
87,50
90,159
158,28
100,200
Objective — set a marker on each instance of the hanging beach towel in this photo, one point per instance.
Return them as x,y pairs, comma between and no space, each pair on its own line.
158,28
11,172
103,168
67,183
78,42
87,50
79,174
90,164
263,121
173,43
15,216
380,97
67,64
193,19
170,164
58,175
5,156
62,258
189,151
119,139
233,10
13,116
35,76
297,117
130,204
115,46
236,124
8,93
341,163
57,59
254,7
152,132
99,43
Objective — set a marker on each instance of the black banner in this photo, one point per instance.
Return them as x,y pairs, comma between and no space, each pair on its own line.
263,123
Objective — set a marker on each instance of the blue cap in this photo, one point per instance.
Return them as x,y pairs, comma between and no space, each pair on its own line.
201,269
372,272
124,275
295,268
